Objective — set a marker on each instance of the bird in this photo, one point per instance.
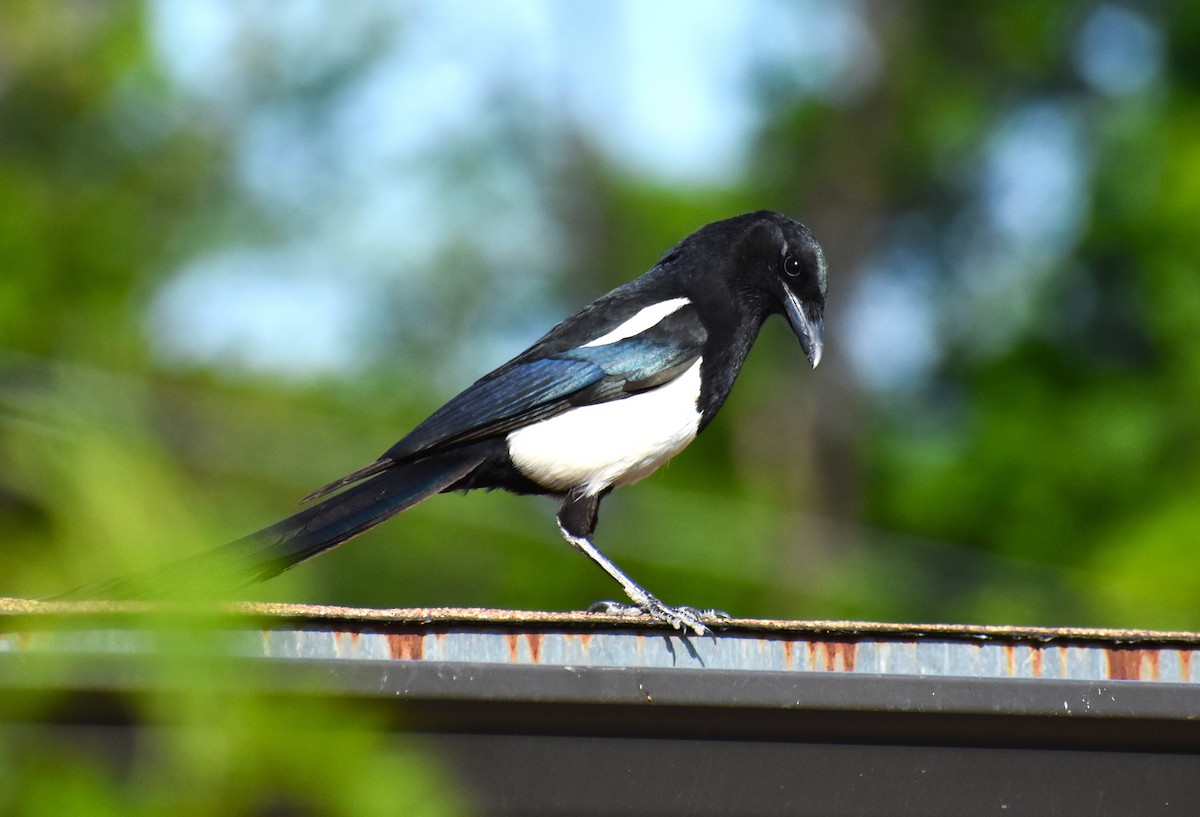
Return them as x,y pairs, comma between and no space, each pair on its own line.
600,401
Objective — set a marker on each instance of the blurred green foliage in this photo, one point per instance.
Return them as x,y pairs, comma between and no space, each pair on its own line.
1043,478
203,740
1042,471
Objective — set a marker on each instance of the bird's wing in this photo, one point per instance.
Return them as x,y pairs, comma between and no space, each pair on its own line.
532,388
546,380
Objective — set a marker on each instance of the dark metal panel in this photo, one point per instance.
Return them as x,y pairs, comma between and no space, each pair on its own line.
532,776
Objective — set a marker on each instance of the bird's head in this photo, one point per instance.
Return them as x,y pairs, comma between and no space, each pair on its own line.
782,261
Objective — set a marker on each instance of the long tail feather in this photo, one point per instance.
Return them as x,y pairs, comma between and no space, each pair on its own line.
381,464
356,510
289,542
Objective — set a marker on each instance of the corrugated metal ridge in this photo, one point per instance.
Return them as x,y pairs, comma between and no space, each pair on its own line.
282,614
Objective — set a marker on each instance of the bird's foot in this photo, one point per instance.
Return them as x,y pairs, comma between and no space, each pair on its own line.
681,618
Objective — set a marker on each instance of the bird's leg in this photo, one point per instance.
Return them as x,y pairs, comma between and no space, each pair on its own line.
577,521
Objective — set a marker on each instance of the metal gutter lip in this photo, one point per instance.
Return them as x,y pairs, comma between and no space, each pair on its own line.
450,636
636,689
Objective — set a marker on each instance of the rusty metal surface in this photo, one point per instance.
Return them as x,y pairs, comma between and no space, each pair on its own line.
590,640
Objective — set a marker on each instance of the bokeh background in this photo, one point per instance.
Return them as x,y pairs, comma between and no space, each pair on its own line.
246,245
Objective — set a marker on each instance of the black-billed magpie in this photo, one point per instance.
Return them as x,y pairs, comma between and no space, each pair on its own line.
602,400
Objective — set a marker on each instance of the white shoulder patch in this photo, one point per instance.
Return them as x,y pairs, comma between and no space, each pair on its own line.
640,322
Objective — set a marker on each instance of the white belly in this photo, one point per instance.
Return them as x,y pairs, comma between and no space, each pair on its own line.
613,443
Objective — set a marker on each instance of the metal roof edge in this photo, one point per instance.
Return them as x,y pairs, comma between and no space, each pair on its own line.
279,614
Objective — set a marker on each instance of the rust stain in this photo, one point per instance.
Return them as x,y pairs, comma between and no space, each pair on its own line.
534,640
846,653
1152,657
1185,665
1062,663
789,648
513,640
1010,660
406,646
1035,654
346,642
832,655
1127,664
584,640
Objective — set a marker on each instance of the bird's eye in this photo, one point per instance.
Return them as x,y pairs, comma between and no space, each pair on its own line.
791,266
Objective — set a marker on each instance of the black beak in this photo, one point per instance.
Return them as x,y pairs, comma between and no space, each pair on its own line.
808,322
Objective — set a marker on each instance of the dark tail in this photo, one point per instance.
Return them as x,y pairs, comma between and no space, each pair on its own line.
303,535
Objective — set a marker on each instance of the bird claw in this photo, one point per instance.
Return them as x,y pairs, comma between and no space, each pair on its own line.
707,612
681,618
609,607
